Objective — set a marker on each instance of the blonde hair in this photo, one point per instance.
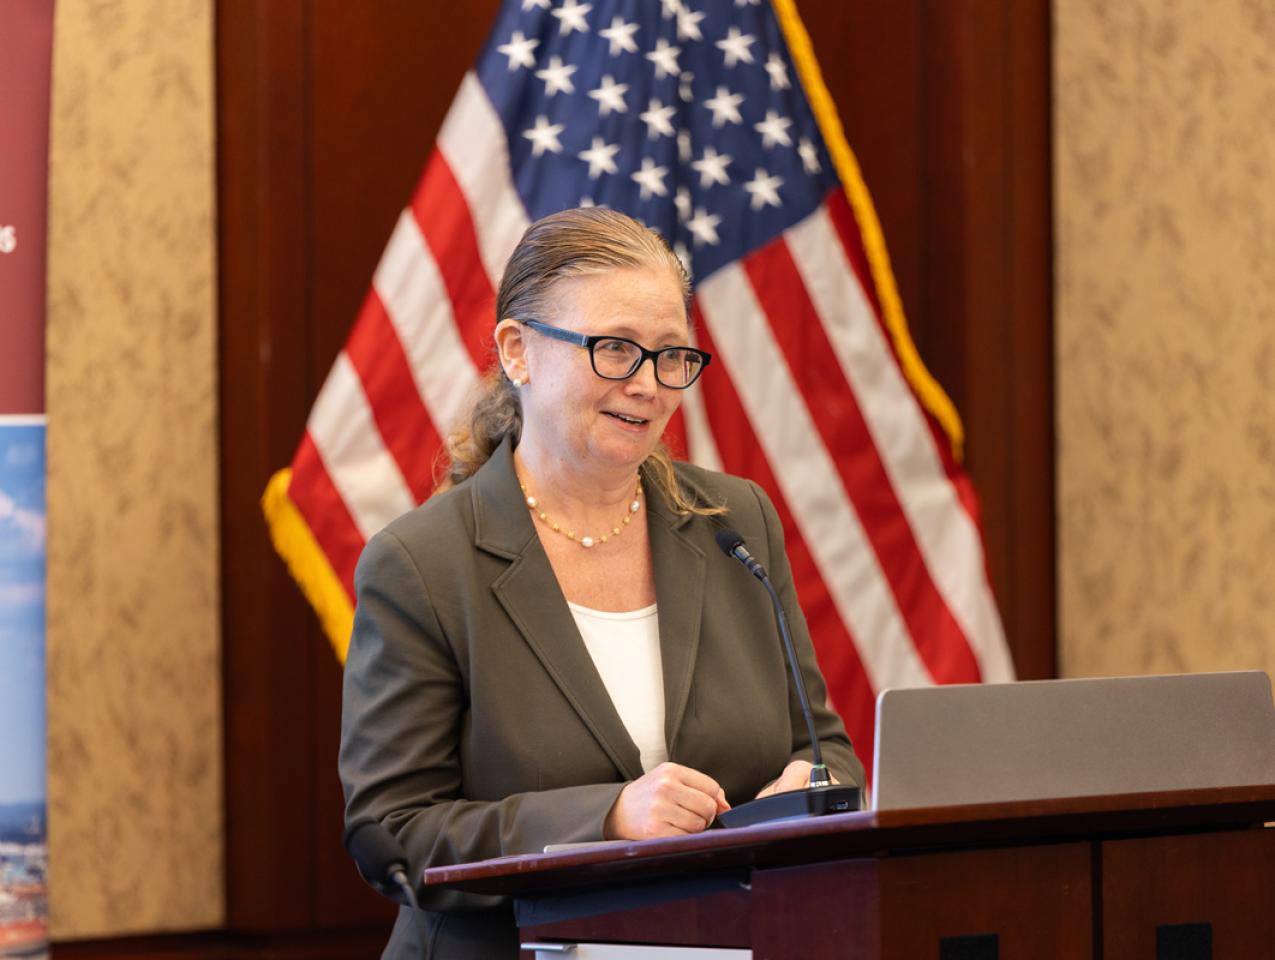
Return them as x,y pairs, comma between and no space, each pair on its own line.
573,243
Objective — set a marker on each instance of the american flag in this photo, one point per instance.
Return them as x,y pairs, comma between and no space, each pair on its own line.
707,120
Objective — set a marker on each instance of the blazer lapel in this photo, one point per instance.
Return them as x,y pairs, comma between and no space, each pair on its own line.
530,594
679,589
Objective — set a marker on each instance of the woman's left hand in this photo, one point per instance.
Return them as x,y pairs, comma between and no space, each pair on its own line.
796,776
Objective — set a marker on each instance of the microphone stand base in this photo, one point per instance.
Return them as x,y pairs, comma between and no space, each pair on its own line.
793,805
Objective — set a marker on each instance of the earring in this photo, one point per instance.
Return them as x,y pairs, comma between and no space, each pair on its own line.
517,381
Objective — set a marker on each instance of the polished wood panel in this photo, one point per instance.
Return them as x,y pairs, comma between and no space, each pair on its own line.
825,911
270,643
721,918
985,319
1224,879
1037,901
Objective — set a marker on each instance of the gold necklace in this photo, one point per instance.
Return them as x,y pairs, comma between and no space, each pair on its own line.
534,506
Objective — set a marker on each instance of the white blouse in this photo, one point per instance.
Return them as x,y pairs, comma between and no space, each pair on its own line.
626,650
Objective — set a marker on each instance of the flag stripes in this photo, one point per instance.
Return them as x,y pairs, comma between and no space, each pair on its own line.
353,453
405,426
808,396
443,217
802,335
411,286
473,141
785,430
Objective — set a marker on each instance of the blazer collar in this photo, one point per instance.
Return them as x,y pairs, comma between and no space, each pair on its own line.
530,594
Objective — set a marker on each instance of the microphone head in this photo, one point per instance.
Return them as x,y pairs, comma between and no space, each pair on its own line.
728,540
376,852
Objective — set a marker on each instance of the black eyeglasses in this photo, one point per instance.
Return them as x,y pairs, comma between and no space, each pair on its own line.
618,358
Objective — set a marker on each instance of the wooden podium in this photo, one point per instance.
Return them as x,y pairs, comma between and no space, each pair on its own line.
1182,875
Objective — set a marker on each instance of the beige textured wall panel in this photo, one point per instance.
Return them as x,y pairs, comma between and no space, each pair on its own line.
135,785
1165,220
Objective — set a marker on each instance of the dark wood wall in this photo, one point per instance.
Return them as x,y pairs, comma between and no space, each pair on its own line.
326,112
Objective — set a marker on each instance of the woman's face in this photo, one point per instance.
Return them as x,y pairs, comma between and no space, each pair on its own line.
580,418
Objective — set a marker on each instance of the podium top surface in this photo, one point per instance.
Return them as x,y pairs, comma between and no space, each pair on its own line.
866,833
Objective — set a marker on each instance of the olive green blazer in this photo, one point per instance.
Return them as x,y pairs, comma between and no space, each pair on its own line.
474,722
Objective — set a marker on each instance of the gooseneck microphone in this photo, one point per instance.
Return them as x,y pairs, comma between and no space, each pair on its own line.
822,796
382,862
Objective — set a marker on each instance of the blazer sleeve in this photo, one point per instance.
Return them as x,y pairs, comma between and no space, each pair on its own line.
402,711
838,752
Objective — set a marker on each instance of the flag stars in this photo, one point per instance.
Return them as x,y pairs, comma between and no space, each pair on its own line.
688,24
600,157
670,8
651,179
658,119
519,51
571,16
682,200
620,36
610,97
725,107
684,89
684,151
764,189
530,4
544,136
703,227
773,130
735,47
712,168
778,71
664,56
809,154
557,77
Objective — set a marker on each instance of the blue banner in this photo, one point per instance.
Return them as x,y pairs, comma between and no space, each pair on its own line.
23,823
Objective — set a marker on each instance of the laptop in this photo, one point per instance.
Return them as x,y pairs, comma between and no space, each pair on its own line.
1030,740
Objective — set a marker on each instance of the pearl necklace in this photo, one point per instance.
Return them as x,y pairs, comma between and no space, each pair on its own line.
534,506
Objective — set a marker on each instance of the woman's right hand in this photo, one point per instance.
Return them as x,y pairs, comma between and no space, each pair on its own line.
668,801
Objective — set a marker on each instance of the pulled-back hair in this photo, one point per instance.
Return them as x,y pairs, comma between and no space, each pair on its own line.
572,243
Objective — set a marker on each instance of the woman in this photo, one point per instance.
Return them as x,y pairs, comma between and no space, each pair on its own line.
552,650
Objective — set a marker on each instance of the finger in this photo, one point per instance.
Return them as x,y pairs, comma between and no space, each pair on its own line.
792,780
683,820
695,779
702,805
795,776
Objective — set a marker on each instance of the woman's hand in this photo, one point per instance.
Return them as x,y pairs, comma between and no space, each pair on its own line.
796,776
668,801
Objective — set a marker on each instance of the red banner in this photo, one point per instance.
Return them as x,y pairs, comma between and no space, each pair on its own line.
26,48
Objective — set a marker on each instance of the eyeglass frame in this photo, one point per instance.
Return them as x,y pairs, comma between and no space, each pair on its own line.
589,341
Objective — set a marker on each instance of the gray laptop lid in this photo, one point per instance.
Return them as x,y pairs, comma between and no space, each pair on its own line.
986,743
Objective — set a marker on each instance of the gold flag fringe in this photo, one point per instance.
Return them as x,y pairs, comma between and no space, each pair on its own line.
843,158
307,563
